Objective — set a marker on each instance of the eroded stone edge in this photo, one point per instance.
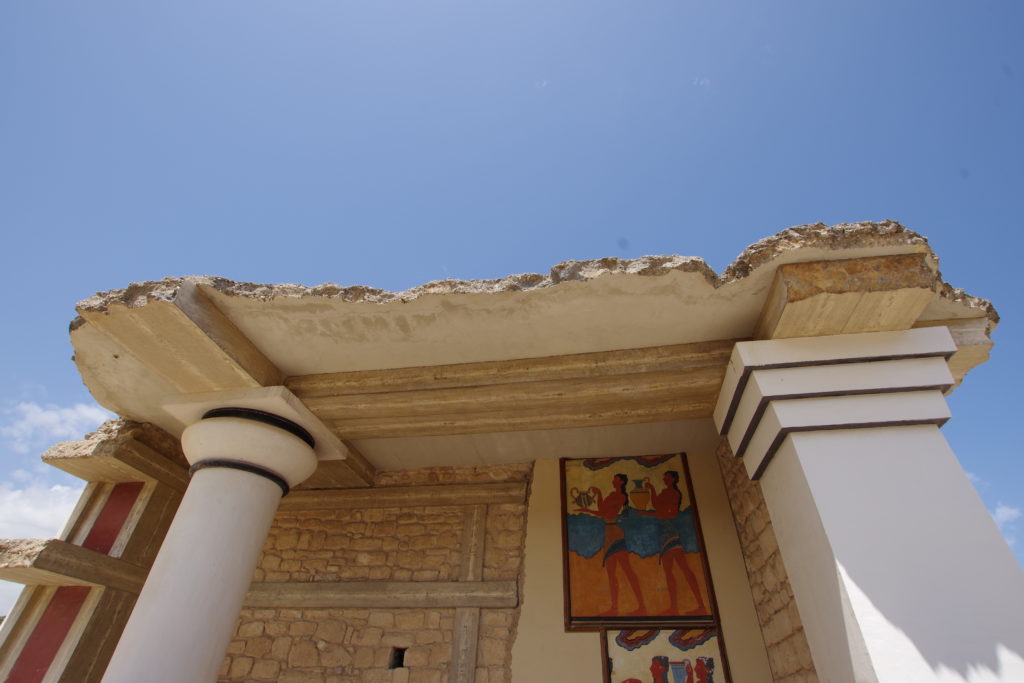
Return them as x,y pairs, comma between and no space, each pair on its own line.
818,235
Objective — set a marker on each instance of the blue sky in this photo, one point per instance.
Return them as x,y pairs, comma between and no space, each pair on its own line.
392,143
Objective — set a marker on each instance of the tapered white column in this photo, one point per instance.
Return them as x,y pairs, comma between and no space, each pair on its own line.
242,462
898,571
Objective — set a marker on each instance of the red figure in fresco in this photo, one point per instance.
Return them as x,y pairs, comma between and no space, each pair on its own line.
666,507
703,672
617,557
659,669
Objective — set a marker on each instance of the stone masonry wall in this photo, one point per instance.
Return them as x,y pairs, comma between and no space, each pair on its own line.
419,543
788,652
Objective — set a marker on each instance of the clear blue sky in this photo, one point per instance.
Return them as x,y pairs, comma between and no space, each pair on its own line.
392,143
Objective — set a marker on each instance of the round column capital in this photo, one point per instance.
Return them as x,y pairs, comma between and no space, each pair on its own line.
257,443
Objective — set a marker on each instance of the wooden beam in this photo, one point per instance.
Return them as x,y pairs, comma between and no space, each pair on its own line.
657,359
147,534
581,393
474,532
405,496
382,594
465,636
188,341
874,294
353,471
604,388
88,661
19,624
119,460
568,415
54,562
466,632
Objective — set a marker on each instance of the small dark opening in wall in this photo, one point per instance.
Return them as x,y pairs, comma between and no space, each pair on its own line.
397,658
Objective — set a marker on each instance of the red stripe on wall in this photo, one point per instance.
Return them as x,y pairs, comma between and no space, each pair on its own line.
51,630
112,517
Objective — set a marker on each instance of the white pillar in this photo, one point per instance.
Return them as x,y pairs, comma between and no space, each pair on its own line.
182,623
898,571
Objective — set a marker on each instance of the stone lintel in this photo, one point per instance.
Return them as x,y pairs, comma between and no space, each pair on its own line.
187,340
872,294
383,594
120,451
52,562
405,496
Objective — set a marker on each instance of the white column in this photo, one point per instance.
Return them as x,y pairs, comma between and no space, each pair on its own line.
182,623
898,570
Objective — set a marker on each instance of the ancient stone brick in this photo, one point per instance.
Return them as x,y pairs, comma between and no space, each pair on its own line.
302,628
409,621
334,655
240,667
331,631
265,670
424,676
258,647
303,654
368,636
363,658
279,650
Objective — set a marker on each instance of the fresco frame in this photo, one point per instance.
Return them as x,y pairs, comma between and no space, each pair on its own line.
721,676
599,623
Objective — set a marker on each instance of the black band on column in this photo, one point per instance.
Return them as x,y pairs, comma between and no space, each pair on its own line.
245,467
265,418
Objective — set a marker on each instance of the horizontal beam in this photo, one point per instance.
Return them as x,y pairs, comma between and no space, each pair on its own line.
874,294
53,562
118,460
569,415
353,471
404,496
674,358
581,393
188,341
383,594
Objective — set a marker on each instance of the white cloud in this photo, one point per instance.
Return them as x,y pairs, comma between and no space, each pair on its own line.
8,595
35,511
32,509
30,426
542,83
1005,516
702,82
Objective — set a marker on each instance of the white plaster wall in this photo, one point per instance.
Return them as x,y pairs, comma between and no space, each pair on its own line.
936,592
543,651
832,633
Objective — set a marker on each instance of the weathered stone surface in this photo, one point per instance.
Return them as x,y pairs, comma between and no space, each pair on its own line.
789,655
112,432
834,238
382,544
20,552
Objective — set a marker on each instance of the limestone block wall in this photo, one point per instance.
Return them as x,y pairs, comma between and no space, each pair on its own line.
788,652
402,543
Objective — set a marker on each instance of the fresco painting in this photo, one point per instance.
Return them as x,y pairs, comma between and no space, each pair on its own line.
633,553
664,656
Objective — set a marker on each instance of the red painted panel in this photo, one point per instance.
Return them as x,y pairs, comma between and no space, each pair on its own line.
112,517
48,635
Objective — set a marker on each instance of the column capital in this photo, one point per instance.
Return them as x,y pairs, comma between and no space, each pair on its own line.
875,379
279,401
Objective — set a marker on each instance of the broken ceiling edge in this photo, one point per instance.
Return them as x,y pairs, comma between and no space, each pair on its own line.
818,235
